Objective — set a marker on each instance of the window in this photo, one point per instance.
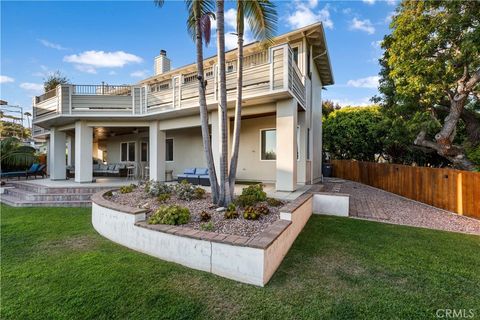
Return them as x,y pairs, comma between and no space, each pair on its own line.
127,150
268,144
144,152
169,149
209,73
189,78
309,73
295,54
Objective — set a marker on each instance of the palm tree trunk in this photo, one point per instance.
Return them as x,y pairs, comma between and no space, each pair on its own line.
202,101
222,105
238,117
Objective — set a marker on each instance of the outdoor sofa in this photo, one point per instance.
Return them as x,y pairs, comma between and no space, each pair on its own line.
104,170
35,170
197,176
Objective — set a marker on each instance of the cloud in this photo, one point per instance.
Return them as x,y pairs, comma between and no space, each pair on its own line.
368,82
389,17
35,88
231,39
369,1
139,74
392,2
6,79
306,14
362,25
88,61
52,45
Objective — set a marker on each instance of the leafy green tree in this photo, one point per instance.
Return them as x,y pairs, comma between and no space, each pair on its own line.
354,133
328,107
14,154
54,80
431,73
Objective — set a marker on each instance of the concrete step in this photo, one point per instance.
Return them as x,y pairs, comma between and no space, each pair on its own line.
33,196
54,190
16,202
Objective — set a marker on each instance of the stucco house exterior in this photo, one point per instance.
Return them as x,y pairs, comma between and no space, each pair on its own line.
154,125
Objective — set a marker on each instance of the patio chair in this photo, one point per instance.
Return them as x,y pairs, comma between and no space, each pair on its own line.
19,174
40,171
189,175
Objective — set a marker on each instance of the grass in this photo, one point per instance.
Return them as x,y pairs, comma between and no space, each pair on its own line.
55,266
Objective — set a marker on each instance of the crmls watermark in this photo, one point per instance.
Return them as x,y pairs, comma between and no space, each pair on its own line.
455,313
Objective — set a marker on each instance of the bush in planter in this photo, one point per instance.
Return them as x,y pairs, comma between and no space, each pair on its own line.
208,226
205,216
262,209
163,197
155,188
127,189
251,213
245,200
199,193
231,212
274,202
173,215
185,191
255,190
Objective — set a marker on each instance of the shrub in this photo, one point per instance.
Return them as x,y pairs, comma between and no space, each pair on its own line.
205,216
255,190
162,197
173,215
127,189
108,194
231,212
245,200
251,213
262,209
207,226
199,193
185,191
155,188
274,202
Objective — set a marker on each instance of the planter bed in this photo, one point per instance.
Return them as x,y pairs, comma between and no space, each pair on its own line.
250,259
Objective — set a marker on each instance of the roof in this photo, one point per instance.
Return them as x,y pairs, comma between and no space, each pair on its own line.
313,33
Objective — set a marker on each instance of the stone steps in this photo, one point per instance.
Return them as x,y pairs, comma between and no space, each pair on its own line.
24,194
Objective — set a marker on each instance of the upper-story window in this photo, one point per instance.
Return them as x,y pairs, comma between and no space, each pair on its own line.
160,86
209,73
295,54
190,77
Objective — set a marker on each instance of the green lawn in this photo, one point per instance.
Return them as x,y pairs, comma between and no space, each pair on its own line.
54,265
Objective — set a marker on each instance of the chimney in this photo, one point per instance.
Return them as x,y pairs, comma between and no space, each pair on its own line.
162,63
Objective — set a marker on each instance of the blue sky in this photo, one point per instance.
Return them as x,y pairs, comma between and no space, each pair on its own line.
116,42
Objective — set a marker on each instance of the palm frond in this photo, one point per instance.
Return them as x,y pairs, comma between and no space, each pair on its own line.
262,18
205,9
159,3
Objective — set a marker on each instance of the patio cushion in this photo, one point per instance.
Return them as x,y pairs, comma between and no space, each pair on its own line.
96,166
118,166
201,171
111,167
34,167
191,176
103,167
189,171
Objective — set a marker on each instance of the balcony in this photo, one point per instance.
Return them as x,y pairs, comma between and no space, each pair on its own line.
268,73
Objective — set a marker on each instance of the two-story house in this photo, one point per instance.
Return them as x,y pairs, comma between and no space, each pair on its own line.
155,124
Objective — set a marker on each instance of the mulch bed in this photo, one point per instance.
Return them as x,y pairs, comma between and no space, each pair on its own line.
239,226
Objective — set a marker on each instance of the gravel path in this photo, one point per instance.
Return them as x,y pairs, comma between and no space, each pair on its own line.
374,204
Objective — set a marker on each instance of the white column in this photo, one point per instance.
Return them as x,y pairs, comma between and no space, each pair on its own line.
70,151
286,145
302,145
215,133
49,155
57,154
157,152
83,152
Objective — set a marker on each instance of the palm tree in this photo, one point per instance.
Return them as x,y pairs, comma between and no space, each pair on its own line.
14,153
262,19
28,115
222,103
198,26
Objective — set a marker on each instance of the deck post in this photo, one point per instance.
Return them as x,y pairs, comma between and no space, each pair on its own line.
83,152
157,152
57,155
286,134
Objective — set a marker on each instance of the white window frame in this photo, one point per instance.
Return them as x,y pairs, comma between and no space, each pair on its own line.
173,149
128,153
260,144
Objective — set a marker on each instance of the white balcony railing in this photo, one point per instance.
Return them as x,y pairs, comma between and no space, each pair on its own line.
265,72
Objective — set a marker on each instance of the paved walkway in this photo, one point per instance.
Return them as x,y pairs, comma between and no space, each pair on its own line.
374,204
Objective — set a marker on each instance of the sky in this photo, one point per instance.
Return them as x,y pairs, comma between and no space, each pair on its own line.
116,42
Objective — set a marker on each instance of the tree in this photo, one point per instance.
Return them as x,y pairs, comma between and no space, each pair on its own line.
328,107
28,115
198,26
53,80
14,153
354,133
431,73
262,19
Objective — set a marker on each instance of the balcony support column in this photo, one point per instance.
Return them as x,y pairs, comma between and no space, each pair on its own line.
157,152
286,163
70,151
57,155
83,152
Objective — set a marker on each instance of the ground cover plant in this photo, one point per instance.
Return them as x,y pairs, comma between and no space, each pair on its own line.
54,265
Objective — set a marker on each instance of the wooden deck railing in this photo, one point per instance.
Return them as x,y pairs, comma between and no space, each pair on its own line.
449,189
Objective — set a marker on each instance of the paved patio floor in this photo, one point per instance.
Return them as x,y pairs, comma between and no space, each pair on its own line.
374,204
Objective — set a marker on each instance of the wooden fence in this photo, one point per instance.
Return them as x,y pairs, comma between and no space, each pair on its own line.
453,190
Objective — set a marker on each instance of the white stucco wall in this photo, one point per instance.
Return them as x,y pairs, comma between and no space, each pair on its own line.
331,204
